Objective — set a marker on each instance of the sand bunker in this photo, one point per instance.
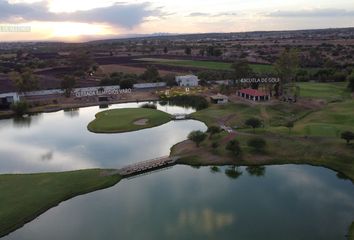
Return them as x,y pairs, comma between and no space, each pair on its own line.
141,122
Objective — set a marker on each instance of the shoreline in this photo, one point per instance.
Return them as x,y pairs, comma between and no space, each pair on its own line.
60,107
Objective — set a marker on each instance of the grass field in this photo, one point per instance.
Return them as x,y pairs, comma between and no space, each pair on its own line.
280,149
111,68
124,120
315,138
235,114
329,121
25,196
212,65
325,91
326,121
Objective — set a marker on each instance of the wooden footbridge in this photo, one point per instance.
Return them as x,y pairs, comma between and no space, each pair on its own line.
147,166
180,116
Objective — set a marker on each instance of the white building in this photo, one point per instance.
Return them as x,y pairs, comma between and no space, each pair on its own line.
219,99
187,81
6,99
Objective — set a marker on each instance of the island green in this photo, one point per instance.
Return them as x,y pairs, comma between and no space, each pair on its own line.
127,120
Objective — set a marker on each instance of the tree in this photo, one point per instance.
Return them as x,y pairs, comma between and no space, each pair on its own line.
286,67
197,137
126,84
348,136
81,61
350,79
67,84
212,130
188,50
170,79
234,147
20,108
241,70
213,52
257,144
151,74
289,125
165,50
254,123
24,81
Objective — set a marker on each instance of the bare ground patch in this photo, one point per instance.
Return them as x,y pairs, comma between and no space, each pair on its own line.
141,122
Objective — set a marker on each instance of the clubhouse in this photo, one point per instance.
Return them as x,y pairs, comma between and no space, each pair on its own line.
253,94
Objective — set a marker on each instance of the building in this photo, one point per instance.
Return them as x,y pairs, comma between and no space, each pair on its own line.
219,99
6,99
253,94
187,81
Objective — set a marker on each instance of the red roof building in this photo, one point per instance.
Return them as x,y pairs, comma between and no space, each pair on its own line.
253,94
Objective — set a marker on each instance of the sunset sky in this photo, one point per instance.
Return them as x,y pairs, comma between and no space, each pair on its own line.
80,20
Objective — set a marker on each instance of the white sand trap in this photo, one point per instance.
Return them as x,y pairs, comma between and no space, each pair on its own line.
141,122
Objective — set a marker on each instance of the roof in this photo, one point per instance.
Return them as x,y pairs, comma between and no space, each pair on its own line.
187,77
253,92
219,96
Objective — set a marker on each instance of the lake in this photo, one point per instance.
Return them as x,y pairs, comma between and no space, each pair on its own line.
181,202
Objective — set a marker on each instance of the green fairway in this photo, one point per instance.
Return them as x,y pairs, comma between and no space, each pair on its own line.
235,114
212,65
325,91
127,119
25,196
329,121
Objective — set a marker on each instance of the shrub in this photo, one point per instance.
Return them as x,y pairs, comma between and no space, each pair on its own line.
234,147
197,137
126,84
348,136
254,123
212,130
149,105
20,108
289,125
215,145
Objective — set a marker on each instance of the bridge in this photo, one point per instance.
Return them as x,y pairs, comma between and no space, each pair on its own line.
147,166
180,116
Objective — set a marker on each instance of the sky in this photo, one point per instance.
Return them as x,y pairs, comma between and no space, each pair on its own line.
82,20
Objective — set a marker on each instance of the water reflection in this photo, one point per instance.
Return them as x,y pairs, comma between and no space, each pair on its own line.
258,171
72,146
233,172
342,176
201,222
214,169
25,121
178,203
187,203
72,112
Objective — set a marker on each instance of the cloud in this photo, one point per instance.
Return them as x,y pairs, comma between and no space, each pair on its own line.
202,14
328,12
198,14
118,14
223,14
